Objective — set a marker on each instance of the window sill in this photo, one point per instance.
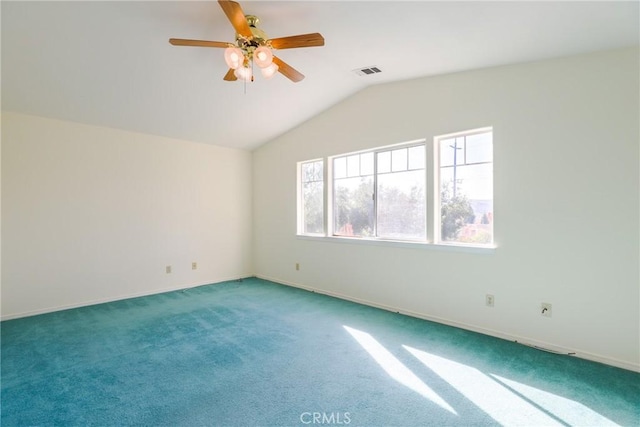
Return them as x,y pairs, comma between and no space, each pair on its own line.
447,247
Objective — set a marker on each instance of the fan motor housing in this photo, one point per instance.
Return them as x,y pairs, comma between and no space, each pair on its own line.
258,38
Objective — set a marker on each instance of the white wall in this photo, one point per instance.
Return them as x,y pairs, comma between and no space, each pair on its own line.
566,139
94,214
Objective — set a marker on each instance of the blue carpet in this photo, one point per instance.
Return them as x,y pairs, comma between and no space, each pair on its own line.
255,353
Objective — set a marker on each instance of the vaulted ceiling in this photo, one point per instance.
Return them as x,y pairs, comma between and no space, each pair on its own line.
110,63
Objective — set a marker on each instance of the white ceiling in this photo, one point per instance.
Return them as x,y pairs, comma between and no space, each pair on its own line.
110,63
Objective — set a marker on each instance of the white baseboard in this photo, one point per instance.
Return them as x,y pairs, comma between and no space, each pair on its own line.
498,334
541,345
116,298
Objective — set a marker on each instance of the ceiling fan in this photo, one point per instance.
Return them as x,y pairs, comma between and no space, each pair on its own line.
252,46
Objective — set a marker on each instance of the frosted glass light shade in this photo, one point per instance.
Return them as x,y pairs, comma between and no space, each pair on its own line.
269,71
244,74
234,57
263,57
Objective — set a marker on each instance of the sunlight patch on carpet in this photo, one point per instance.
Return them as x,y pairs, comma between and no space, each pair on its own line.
496,401
508,402
570,411
395,368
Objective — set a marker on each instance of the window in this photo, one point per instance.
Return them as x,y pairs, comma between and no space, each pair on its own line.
312,197
421,191
380,194
401,208
466,187
353,207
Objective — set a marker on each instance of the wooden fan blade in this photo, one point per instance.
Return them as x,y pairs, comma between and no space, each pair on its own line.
288,71
302,40
200,43
230,76
236,17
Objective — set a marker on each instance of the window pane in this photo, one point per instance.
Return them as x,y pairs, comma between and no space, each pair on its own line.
366,164
340,167
399,160
313,209
466,195
312,171
318,171
447,149
479,148
384,162
307,172
353,207
353,165
401,205
312,197
476,181
417,157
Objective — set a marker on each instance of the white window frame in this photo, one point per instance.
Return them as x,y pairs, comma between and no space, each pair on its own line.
300,198
437,226
432,200
330,226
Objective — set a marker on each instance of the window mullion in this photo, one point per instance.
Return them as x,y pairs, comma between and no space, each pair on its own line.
431,169
464,150
326,193
375,194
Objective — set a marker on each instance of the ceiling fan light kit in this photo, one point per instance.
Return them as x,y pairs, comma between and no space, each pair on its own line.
262,57
253,47
244,74
234,57
269,71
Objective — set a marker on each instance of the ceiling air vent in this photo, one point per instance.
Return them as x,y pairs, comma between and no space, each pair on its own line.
365,71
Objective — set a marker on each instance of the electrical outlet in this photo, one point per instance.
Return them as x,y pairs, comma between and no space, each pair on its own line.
168,269
489,301
194,265
297,266
545,309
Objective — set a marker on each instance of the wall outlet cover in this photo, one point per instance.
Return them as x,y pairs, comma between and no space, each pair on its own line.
489,300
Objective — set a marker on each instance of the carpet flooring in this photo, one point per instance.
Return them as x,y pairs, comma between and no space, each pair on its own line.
256,353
